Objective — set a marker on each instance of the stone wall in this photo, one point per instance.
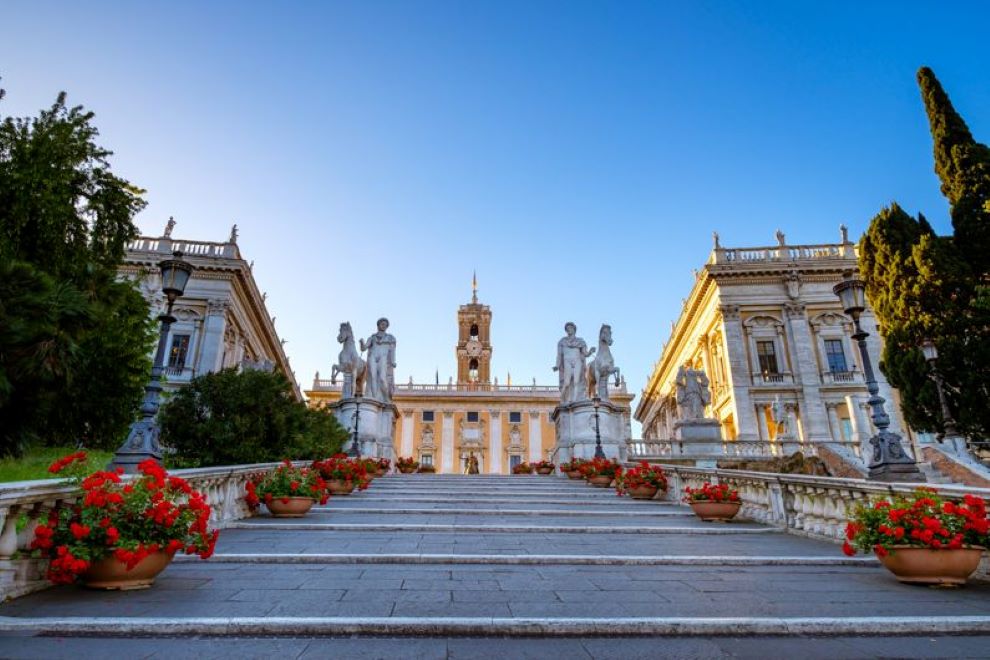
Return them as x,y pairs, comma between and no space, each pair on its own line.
956,470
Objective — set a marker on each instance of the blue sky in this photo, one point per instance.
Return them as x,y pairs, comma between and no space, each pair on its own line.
577,155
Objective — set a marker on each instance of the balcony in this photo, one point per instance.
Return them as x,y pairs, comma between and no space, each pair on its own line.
841,377
776,378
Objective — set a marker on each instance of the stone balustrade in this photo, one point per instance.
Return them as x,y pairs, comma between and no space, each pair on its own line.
326,385
166,246
25,504
783,253
659,449
818,507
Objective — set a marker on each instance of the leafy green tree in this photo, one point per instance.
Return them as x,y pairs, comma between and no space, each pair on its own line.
231,417
924,286
74,341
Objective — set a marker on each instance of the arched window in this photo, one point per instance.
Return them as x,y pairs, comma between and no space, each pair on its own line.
474,331
473,371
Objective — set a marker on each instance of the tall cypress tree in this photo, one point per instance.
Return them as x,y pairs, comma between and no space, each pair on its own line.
963,166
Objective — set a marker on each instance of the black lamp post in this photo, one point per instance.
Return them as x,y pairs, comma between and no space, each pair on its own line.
355,451
142,440
949,430
889,461
598,435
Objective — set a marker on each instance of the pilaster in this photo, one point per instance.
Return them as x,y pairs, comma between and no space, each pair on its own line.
495,433
806,372
739,378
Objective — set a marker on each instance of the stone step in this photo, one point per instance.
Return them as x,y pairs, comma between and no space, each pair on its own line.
481,499
528,559
585,492
668,511
543,627
277,524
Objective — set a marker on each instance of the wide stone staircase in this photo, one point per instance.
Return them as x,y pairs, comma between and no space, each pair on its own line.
483,566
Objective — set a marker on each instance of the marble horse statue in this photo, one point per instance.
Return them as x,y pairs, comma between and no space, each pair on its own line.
350,364
602,366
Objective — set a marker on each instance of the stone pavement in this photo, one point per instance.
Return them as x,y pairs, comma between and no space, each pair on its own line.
451,566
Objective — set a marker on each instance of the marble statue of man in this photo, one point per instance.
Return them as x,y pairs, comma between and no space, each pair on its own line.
780,418
571,368
692,393
380,383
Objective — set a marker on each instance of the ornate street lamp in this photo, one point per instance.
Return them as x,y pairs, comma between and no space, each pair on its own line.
949,431
598,434
889,461
355,451
142,440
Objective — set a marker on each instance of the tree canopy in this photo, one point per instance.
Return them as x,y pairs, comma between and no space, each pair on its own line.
924,286
74,340
231,417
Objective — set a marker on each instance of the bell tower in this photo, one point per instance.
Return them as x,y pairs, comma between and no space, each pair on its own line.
474,348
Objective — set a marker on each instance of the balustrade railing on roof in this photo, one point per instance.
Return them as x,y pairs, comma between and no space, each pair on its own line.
785,253
166,246
325,385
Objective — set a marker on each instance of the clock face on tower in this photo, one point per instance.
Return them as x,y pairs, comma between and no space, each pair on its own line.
473,348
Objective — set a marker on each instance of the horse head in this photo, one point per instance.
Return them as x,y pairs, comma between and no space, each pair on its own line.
345,332
605,334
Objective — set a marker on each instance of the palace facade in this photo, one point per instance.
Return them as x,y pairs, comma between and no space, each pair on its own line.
444,424
221,320
765,326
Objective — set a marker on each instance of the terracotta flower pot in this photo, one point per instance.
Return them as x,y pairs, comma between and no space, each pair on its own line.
380,473
407,470
544,471
929,566
644,492
709,510
601,481
575,474
290,507
111,573
340,487
427,469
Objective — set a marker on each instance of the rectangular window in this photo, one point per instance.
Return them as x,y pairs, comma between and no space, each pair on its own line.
767,353
472,416
835,355
427,415
426,459
515,418
847,428
514,460
177,355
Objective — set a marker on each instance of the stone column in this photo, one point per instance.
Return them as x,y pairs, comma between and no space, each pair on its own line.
806,372
833,421
738,378
447,443
407,433
535,437
214,328
495,433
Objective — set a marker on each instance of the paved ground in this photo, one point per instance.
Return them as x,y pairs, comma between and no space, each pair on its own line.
285,571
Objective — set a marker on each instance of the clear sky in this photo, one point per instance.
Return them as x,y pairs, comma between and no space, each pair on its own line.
577,155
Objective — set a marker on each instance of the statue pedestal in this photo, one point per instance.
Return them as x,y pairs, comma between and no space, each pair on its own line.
376,426
701,438
789,444
575,424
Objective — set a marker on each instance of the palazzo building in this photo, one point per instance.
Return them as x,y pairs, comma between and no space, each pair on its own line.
221,319
442,425
765,326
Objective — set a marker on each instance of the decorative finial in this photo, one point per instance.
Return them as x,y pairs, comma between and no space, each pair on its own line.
233,234
474,288
169,226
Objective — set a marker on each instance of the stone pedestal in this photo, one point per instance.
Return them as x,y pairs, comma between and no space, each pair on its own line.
376,427
700,439
575,427
789,444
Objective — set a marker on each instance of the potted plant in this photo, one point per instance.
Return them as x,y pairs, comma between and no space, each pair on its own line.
122,533
523,468
601,472
288,491
573,468
642,482
406,465
370,468
342,474
544,467
713,502
427,468
384,465
922,538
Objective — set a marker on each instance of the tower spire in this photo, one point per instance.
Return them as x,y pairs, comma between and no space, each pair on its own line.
474,288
